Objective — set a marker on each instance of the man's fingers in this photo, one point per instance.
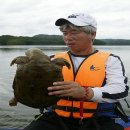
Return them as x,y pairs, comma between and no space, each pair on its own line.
53,88
62,83
59,92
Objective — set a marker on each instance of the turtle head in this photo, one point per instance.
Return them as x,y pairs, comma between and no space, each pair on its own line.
61,62
33,52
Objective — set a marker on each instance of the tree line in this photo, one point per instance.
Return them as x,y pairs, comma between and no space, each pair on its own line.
43,39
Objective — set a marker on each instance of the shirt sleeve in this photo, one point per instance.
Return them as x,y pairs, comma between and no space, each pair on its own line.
115,88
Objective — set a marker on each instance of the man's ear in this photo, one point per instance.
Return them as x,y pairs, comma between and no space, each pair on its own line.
93,34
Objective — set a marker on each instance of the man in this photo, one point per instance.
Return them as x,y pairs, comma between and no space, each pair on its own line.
92,88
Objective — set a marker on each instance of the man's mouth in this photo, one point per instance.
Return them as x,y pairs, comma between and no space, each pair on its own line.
70,44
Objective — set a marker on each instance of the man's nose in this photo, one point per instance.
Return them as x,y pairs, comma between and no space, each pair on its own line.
69,37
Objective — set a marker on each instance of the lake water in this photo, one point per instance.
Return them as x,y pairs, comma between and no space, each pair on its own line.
20,116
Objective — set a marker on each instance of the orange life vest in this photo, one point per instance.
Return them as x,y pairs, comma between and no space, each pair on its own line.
90,73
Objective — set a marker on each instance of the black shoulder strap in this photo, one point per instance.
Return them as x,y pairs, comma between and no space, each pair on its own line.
127,103
120,112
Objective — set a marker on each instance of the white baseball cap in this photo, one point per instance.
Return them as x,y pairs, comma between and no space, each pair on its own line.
78,19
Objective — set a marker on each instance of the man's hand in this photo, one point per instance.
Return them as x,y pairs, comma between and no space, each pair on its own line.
89,93
70,88
67,88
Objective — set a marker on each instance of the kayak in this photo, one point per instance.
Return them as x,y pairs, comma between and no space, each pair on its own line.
128,128
119,121
125,125
10,129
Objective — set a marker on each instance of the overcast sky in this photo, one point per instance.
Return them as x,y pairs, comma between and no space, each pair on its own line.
32,17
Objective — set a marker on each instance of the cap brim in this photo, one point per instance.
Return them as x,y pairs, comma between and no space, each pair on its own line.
61,21
75,22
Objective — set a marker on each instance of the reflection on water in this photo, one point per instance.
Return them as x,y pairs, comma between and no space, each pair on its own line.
20,116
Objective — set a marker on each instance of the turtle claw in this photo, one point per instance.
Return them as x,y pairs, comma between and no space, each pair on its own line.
61,62
13,102
13,62
67,64
19,60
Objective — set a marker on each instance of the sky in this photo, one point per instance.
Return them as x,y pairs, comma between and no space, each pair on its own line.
33,17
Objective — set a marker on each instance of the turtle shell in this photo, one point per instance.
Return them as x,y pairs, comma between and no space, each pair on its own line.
35,73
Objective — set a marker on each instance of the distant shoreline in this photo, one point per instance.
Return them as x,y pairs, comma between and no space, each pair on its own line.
51,40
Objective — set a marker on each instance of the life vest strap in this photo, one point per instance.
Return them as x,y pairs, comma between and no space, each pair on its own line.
74,109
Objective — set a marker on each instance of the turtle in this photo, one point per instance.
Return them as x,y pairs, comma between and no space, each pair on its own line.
34,74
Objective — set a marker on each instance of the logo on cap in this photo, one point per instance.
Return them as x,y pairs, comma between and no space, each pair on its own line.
73,16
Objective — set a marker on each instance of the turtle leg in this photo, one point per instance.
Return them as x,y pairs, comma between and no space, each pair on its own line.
61,62
19,60
13,102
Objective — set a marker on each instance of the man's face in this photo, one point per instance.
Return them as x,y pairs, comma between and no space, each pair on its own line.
78,42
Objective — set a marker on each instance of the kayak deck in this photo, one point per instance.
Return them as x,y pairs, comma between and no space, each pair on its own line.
119,121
